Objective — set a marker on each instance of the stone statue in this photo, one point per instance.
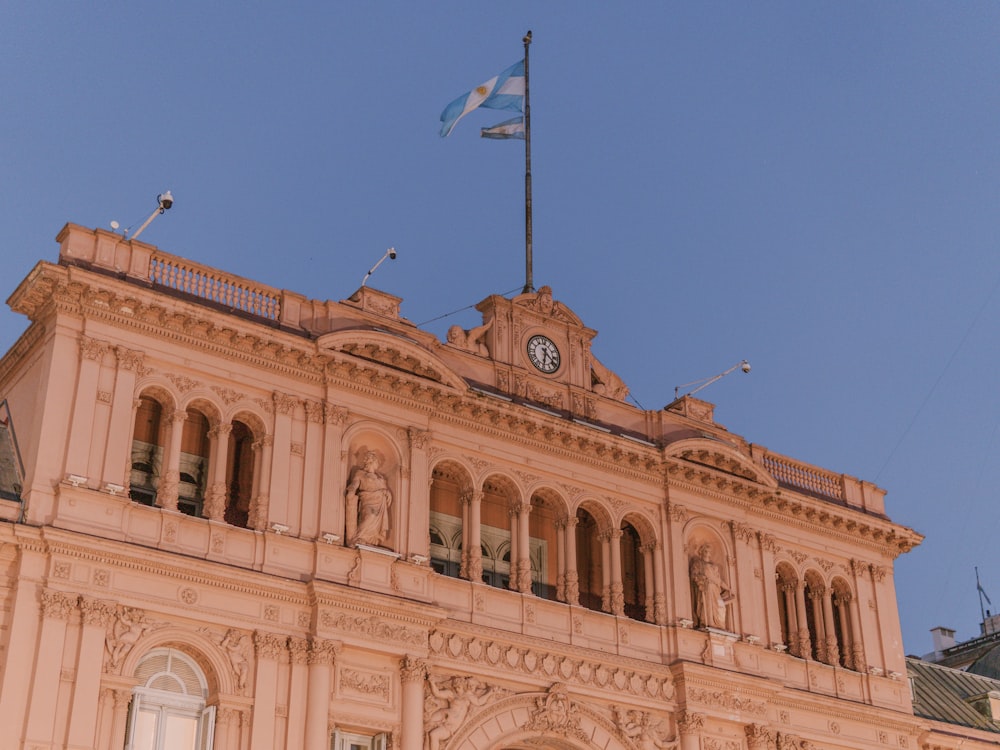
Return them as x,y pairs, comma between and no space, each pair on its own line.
369,491
606,383
235,645
471,340
455,698
711,595
126,630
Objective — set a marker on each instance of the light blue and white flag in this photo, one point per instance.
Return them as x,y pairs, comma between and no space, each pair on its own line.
508,129
505,91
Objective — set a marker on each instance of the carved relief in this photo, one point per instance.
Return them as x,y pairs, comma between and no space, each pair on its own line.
128,626
372,627
236,645
366,683
268,645
728,701
556,713
56,605
447,704
644,730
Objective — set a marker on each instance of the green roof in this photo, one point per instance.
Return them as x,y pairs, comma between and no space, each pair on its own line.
942,693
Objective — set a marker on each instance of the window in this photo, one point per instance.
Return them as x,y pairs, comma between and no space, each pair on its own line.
354,741
168,709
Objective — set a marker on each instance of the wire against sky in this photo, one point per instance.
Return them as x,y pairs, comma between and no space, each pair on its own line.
940,377
463,309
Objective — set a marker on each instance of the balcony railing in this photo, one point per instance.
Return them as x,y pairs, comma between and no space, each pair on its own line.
209,284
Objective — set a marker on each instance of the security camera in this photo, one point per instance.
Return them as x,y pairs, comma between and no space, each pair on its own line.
392,253
166,200
745,366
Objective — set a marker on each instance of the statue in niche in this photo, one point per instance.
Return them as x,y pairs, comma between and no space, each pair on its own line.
711,594
368,491
451,700
471,340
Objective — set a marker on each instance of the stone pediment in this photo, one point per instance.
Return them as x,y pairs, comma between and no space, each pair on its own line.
720,457
391,350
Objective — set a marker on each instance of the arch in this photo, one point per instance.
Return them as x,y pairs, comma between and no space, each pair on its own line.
207,654
450,493
149,442
501,495
814,589
848,641
534,720
787,583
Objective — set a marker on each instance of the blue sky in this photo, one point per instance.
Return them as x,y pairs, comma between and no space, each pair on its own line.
811,186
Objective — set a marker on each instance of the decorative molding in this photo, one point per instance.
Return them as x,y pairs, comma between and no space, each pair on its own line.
372,627
55,605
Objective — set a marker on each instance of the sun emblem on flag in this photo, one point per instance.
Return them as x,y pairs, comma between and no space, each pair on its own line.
481,90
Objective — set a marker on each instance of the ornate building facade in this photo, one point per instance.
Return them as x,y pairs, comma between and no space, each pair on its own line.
237,518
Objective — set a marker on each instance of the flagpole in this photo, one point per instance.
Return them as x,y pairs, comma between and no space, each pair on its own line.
529,285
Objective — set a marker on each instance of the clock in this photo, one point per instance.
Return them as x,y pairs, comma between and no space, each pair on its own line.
543,354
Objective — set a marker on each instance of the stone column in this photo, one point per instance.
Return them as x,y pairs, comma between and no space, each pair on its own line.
524,548
749,619
95,618
841,612
22,638
805,643
788,590
119,719
659,585
260,503
651,585
858,661
167,492
617,588
473,556
832,652
413,673
680,581
321,657
560,560
605,538
514,546
216,491
227,723
298,692
56,610
81,432
768,547
312,461
331,506
689,727
279,486
269,648
413,512
572,574
817,621
118,449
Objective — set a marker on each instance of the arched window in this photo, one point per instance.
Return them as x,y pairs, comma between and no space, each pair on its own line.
147,451
588,562
168,709
787,583
239,475
633,573
193,463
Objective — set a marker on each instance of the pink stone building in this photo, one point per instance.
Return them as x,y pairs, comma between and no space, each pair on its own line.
237,518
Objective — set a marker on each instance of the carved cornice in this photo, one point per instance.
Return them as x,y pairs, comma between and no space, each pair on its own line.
633,677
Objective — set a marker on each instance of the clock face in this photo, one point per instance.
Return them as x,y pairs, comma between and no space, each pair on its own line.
543,354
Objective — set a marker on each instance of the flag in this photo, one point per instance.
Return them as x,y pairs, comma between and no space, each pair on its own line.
508,129
504,91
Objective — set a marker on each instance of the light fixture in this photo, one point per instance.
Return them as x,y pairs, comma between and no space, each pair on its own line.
112,488
705,382
163,202
76,480
390,253
279,528
331,538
